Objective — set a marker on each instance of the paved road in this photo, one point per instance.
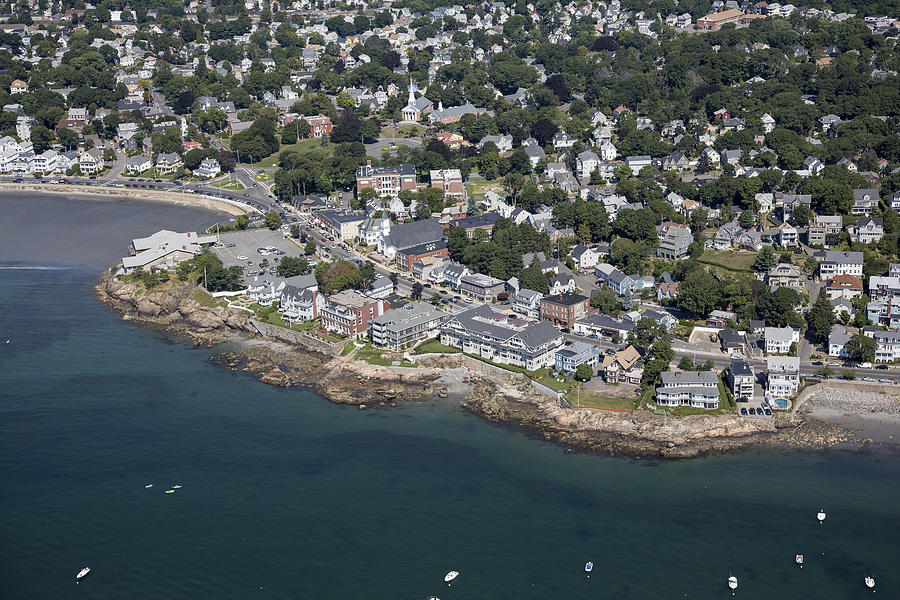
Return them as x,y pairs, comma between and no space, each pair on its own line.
374,149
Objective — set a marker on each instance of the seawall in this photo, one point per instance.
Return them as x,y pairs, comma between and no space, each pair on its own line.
226,205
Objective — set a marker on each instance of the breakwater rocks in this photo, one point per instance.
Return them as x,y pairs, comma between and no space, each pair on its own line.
855,402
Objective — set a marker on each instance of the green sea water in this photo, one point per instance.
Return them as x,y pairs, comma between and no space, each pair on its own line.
286,495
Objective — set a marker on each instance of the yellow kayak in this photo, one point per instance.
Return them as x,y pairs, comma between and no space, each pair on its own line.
170,491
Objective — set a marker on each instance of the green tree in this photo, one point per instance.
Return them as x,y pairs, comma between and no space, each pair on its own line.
310,247
291,266
645,333
765,260
746,220
584,372
242,222
272,220
295,231
606,302
699,293
861,348
820,318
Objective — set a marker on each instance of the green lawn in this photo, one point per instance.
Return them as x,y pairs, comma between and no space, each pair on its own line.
303,146
732,261
589,399
434,346
477,186
229,185
404,131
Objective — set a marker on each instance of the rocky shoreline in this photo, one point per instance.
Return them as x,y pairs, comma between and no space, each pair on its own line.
497,398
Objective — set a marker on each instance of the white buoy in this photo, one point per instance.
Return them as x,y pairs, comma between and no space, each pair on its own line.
821,515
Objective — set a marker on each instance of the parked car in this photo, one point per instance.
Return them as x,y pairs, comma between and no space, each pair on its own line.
768,413
886,380
743,411
231,245
751,410
241,257
869,379
881,367
834,364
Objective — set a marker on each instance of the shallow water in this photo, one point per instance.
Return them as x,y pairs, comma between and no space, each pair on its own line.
286,495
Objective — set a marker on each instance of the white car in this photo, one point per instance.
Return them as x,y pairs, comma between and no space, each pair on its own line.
241,257
868,379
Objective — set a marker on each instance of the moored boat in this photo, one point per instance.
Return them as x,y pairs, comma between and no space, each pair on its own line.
732,583
588,567
821,515
870,582
449,577
82,574
799,560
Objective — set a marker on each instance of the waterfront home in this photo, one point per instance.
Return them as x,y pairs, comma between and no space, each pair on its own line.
164,250
348,313
91,162
209,168
887,347
491,335
841,263
137,164
884,311
741,379
837,341
780,339
697,389
300,304
168,163
783,374
575,354
622,367
400,328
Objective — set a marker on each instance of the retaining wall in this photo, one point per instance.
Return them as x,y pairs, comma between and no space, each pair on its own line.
297,338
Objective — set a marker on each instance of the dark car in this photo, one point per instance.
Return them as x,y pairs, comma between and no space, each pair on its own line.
751,410
231,245
743,411
768,413
428,285
881,367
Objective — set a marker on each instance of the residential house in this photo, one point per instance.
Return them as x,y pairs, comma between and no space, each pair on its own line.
209,168
783,375
837,341
869,230
850,287
585,257
780,339
400,328
137,164
91,162
348,313
564,309
841,263
168,163
616,280
887,348
884,312
790,203
825,230
674,241
491,335
698,389
300,304
741,379
622,367
574,354
603,326
788,236
785,275
341,224
528,302
864,201
472,224
562,283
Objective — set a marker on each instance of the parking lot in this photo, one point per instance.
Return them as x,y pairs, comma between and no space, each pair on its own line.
245,243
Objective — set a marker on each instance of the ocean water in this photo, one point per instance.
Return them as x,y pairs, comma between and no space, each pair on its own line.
286,495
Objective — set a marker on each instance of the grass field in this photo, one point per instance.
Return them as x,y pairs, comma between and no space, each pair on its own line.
587,399
478,186
404,131
302,147
732,261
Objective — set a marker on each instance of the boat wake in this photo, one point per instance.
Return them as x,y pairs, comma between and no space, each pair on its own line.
32,268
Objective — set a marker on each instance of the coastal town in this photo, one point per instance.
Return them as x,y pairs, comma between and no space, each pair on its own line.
631,208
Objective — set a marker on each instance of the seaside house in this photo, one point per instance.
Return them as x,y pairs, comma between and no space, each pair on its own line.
697,389
574,354
400,328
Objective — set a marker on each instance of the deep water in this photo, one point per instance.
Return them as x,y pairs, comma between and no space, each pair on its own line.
286,495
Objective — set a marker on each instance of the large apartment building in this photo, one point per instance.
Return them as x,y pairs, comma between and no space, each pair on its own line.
402,327
348,313
491,335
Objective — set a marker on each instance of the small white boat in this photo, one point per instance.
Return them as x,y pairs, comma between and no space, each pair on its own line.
82,574
588,567
176,487
149,485
821,515
732,582
450,576
433,598
870,582
799,560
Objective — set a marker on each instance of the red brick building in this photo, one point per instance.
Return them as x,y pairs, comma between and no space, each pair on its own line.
408,257
449,180
564,309
388,180
348,313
